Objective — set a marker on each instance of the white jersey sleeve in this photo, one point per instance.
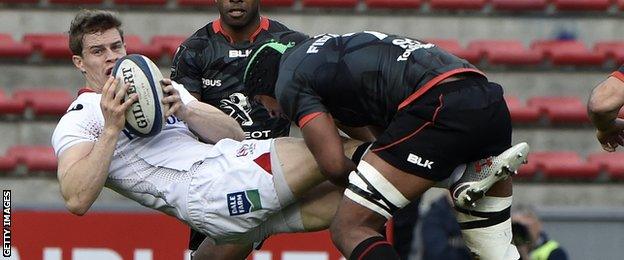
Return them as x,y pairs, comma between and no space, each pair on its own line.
83,122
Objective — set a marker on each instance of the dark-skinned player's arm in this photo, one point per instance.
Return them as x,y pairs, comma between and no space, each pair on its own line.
603,106
322,138
363,134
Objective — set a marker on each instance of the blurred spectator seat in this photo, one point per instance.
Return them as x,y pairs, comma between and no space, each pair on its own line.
568,52
19,1
521,113
7,163
507,52
196,2
563,109
452,46
611,50
45,102
277,3
10,48
564,165
528,170
612,163
168,43
519,5
620,4
394,4
76,2
457,4
36,158
330,3
10,106
51,45
140,2
134,44
581,5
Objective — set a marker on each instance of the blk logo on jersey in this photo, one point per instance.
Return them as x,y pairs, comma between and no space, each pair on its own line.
243,202
239,53
415,159
238,108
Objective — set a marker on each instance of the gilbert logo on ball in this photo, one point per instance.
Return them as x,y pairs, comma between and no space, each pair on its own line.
145,117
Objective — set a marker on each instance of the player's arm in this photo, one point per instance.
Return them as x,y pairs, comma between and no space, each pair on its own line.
603,106
83,167
209,123
322,138
363,134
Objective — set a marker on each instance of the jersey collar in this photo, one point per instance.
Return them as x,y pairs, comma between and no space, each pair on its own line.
264,25
84,90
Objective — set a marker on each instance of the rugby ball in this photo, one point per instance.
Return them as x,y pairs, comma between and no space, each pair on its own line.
145,117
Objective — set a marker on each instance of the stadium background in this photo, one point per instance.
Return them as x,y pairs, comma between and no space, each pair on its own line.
560,50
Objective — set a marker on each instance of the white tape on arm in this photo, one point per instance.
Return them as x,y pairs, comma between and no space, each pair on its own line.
185,96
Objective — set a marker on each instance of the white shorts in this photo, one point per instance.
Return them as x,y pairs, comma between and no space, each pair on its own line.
234,193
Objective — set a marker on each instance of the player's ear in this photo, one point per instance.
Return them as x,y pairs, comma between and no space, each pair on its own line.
78,62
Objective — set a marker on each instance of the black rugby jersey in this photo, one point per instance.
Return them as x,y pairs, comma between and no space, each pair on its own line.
360,78
209,64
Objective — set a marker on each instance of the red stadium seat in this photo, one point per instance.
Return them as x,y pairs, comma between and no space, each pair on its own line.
620,4
45,102
394,4
134,44
507,52
568,52
612,163
561,109
9,48
611,50
457,4
36,158
277,3
168,43
10,106
582,5
7,163
564,165
520,113
140,2
528,170
330,3
519,5
76,1
196,2
452,46
51,45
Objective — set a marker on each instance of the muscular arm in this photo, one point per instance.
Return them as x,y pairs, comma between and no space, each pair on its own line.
359,133
321,137
83,167
603,106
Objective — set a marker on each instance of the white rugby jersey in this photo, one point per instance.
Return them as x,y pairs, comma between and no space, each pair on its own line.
153,171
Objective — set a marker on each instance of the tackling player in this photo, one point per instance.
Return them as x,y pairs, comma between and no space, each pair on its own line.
431,112
210,65
603,107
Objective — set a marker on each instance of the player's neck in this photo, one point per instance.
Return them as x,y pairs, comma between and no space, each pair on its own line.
240,34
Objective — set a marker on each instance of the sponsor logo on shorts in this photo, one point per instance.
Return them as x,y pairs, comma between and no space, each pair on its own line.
415,159
243,202
245,150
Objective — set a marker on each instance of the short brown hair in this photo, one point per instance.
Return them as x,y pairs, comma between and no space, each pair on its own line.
91,21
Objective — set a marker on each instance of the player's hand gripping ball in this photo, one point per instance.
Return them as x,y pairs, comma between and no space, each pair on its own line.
145,117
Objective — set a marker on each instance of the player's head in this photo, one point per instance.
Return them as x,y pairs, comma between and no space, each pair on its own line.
96,42
263,68
238,14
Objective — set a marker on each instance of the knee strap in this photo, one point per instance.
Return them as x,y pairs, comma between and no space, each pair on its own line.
370,189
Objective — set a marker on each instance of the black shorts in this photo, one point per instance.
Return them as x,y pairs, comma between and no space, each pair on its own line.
453,123
195,239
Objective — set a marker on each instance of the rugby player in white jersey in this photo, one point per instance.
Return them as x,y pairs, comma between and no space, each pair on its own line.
234,192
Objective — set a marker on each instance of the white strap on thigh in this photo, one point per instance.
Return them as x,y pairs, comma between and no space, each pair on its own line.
372,182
